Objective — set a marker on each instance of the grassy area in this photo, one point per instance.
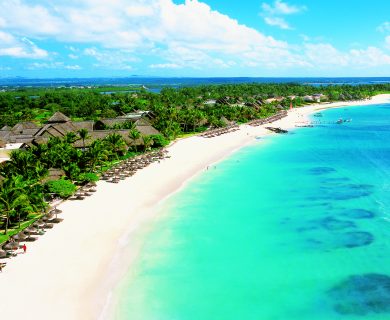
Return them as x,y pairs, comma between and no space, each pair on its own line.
15,229
381,92
187,135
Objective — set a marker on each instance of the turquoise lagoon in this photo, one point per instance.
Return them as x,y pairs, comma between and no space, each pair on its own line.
295,226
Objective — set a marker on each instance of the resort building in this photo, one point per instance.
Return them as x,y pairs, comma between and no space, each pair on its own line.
24,134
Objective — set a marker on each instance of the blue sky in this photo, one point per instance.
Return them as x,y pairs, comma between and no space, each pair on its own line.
99,38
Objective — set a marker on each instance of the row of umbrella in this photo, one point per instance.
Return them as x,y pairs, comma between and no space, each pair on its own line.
259,122
217,132
129,167
85,191
29,234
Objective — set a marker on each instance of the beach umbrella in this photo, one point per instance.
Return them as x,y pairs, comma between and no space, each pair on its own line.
11,245
56,210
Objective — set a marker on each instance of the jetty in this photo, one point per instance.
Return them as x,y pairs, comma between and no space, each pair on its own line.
276,130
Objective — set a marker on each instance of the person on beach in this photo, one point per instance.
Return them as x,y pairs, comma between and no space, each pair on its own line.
24,247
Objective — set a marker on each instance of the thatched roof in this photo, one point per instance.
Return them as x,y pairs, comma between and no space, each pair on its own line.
101,134
84,125
19,127
109,122
20,138
54,174
5,128
308,98
225,121
56,129
58,117
145,128
4,135
40,140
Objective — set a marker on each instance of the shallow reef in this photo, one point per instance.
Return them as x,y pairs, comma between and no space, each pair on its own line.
358,214
362,294
354,239
321,170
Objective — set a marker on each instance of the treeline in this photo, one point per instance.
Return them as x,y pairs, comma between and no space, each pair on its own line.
24,186
177,110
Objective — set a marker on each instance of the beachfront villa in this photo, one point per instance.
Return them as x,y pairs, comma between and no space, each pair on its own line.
25,134
318,97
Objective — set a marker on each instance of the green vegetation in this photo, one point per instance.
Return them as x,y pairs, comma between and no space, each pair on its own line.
24,188
88,177
177,110
175,113
63,188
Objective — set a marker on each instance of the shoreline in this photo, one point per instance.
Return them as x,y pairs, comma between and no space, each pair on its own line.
77,266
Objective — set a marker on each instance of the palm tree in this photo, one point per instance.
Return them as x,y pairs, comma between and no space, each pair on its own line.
134,135
148,141
96,153
115,143
70,137
26,164
12,196
83,133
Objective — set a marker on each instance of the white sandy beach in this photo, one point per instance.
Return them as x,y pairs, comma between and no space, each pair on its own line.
70,271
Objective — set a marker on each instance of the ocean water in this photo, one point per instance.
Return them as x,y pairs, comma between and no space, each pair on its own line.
296,226
155,84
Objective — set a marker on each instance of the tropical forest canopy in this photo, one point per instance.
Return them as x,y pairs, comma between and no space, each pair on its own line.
24,188
173,107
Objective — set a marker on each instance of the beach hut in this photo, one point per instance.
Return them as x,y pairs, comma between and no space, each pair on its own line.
58,117
54,174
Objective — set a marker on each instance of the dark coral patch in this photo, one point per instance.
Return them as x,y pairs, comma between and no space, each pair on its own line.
362,294
321,170
358,214
349,191
354,239
330,223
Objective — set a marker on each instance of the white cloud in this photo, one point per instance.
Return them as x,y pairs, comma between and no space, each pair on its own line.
71,48
53,65
387,41
384,27
152,24
278,22
118,59
324,55
164,66
73,67
36,19
139,11
282,8
273,14
119,33
370,57
20,48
